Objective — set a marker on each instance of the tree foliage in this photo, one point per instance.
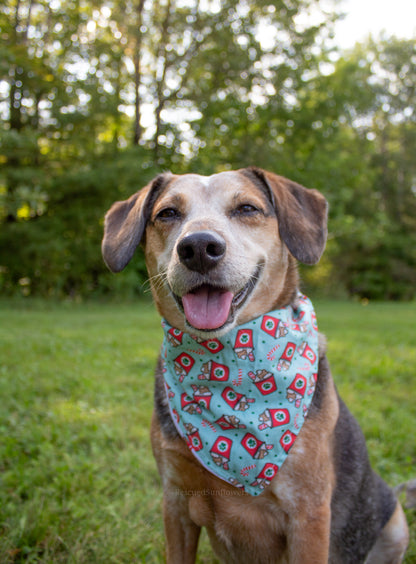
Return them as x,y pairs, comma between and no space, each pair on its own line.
98,97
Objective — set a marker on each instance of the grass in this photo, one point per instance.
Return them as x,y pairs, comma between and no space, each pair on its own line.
78,483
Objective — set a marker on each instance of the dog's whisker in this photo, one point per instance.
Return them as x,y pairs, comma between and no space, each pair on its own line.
157,281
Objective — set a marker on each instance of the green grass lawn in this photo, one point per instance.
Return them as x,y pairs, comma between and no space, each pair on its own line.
78,483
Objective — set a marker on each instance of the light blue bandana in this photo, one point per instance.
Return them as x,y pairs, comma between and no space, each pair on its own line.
240,401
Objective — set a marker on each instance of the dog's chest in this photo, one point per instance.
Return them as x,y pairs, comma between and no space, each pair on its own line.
243,530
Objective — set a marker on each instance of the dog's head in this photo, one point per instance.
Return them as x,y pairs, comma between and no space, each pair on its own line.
220,250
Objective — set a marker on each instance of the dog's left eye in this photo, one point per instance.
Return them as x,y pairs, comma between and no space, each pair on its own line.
246,209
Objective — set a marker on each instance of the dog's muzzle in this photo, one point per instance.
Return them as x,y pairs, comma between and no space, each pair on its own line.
206,307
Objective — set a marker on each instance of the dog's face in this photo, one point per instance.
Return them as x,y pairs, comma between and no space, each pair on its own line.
219,250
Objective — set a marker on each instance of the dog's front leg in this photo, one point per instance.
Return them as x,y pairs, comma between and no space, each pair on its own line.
309,536
181,532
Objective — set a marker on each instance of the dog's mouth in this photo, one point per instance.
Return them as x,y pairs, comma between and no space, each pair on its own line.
208,307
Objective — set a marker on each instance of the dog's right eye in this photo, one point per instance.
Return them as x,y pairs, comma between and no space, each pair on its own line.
168,213
246,210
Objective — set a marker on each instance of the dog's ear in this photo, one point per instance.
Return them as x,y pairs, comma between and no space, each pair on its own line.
301,214
125,224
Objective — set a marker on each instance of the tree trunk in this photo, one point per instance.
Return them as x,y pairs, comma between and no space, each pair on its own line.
138,73
161,75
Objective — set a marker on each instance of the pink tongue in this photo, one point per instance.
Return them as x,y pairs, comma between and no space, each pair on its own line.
207,308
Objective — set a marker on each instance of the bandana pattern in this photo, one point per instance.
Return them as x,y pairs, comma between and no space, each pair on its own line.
240,401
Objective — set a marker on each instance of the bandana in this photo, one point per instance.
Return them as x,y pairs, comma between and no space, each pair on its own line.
240,401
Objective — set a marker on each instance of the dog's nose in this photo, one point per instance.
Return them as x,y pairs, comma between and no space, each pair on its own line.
201,251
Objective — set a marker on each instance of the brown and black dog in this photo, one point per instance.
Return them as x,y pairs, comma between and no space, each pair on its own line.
229,242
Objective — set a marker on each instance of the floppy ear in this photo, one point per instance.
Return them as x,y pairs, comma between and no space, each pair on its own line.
301,214
125,224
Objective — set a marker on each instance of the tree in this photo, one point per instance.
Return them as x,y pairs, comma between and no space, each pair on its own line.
376,255
98,97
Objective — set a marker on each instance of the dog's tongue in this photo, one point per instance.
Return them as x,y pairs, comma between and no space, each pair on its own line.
207,308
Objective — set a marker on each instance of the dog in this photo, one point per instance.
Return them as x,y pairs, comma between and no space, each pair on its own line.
221,253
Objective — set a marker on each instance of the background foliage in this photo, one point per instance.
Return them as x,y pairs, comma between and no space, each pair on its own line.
98,97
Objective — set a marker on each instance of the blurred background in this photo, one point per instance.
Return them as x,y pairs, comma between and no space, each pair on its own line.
97,97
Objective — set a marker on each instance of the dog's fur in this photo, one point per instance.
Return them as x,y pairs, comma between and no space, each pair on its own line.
325,504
